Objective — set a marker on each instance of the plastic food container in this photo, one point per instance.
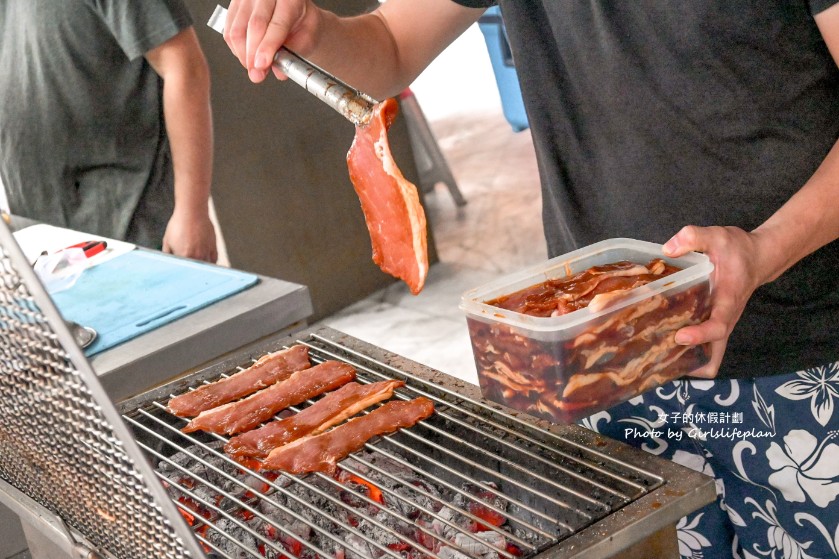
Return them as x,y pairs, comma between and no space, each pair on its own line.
567,367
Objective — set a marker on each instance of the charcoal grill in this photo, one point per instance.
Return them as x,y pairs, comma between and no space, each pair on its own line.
125,482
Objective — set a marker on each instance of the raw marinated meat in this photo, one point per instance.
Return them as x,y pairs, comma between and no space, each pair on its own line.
242,415
391,205
608,360
321,453
266,371
560,296
330,410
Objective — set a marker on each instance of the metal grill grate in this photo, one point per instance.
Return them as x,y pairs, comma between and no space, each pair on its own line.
61,441
544,488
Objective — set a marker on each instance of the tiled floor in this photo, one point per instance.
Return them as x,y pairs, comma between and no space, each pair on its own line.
499,231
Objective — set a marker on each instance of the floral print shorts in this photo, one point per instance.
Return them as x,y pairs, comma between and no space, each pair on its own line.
771,443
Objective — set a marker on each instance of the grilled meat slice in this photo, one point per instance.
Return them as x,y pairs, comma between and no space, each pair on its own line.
321,453
330,410
269,369
242,415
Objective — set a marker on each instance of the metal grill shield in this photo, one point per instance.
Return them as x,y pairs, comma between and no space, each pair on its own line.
61,441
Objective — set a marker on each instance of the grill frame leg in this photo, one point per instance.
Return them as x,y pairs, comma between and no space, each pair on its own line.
663,544
40,546
431,163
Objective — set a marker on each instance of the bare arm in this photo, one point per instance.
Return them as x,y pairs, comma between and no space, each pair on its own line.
186,109
744,261
810,219
380,53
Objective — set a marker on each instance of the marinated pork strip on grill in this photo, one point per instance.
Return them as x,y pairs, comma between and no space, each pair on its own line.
242,415
269,369
391,205
330,410
321,453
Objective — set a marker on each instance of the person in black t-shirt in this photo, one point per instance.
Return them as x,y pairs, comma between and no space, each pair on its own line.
708,126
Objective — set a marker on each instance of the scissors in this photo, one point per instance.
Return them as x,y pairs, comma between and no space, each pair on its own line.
90,248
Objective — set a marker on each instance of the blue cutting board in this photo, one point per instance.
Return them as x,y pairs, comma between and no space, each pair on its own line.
142,290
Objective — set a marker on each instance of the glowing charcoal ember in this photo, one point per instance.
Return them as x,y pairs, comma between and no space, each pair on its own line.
292,545
358,547
399,514
367,488
202,531
190,518
488,515
449,522
231,539
447,552
485,505
417,497
423,537
482,544
193,511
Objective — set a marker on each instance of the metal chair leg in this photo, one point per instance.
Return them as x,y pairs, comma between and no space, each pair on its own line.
431,163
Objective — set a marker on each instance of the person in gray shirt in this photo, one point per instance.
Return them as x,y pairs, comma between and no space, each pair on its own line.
105,123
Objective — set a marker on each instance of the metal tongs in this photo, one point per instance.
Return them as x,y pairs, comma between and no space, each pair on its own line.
355,106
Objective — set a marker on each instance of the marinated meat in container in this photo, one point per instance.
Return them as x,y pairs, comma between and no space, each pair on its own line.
589,329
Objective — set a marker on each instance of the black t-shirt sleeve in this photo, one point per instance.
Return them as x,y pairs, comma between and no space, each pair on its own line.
488,3
818,6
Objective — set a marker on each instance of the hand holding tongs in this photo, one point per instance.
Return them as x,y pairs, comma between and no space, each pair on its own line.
352,104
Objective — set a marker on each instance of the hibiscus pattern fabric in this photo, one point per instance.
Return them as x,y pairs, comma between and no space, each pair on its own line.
771,443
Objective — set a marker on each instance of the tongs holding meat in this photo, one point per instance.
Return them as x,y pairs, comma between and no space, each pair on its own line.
392,210
355,106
